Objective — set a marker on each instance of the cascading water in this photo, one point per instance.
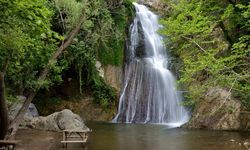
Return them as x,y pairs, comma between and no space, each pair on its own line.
148,94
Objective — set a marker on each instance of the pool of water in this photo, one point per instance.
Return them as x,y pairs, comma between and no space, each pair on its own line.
110,136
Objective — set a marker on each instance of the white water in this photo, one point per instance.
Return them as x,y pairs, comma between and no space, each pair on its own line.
149,94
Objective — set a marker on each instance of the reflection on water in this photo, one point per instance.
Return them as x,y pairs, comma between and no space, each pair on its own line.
108,136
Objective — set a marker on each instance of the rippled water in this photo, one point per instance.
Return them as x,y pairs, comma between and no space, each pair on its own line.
108,136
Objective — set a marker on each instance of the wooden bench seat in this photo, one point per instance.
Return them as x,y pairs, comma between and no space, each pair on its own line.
9,144
84,141
71,141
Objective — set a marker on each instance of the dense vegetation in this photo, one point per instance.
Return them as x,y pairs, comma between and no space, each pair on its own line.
40,40
101,38
211,39
31,31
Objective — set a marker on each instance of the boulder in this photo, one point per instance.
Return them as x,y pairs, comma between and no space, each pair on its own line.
217,110
13,110
57,121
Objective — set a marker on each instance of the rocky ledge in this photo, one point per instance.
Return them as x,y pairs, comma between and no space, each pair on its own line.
218,111
156,5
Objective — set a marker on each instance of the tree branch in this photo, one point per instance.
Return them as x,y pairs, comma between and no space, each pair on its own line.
187,38
61,19
225,67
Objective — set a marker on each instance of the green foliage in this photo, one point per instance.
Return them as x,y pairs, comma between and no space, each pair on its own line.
31,31
72,9
11,98
84,61
241,48
26,40
46,105
111,48
102,38
213,44
103,94
104,28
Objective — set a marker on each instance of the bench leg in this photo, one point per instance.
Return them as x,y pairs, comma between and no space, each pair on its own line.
64,145
11,147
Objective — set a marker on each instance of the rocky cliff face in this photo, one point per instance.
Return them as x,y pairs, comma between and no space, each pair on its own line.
218,110
113,76
157,5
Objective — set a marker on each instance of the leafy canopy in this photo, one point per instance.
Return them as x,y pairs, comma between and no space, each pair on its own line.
212,40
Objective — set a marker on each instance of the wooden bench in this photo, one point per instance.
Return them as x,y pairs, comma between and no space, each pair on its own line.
81,142
75,136
9,144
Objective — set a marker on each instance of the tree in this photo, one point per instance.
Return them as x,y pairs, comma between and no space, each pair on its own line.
17,120
24,31
43,74
3,109
29,43
207,38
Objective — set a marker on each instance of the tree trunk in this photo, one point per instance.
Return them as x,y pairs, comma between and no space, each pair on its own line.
3,109
16,122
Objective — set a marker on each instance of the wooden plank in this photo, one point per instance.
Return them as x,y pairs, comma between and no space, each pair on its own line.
69,137
9,142
79,131
82,141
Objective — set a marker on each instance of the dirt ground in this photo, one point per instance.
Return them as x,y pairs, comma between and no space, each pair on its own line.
42,140
36,140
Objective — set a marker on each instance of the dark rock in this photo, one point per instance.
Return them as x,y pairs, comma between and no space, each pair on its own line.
245,120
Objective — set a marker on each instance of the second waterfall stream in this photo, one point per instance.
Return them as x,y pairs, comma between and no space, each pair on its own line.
149,93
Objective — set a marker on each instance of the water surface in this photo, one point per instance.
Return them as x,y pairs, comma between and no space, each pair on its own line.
109,136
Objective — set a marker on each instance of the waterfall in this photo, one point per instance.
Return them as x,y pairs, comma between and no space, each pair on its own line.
149,94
